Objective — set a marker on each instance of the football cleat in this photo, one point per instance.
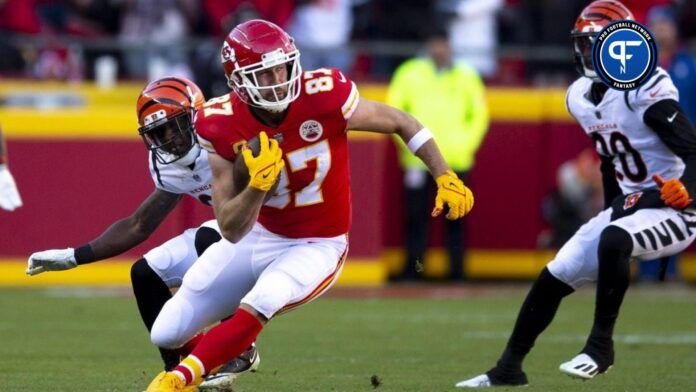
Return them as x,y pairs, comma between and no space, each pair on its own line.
582,366
486,381
169,382
480,381
224,378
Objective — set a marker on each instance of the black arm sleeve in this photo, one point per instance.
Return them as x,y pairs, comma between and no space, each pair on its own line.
609,183
669,122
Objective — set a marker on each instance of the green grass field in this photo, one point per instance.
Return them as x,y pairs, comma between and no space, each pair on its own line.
93,340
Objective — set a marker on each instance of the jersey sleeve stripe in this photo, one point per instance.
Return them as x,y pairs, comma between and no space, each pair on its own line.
659,78
208,146
626,100
351,103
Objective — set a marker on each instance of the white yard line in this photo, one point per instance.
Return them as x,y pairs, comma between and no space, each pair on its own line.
672,339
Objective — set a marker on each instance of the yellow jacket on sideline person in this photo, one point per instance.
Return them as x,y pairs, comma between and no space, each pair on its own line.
450,102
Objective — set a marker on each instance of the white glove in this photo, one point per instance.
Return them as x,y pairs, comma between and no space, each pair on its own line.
9,196
51,260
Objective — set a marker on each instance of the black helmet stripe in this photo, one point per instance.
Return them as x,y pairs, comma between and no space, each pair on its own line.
595,16
155,101
184,93
608,9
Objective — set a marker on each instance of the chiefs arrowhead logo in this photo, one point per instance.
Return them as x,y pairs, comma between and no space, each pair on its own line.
227,53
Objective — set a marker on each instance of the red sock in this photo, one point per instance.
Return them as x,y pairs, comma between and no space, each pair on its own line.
221,344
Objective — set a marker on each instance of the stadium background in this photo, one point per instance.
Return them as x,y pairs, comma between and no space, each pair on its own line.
80,165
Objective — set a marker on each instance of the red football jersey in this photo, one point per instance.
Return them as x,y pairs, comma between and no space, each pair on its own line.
313,196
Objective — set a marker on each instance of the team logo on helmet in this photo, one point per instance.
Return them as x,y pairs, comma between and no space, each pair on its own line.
311,131
158,115
624,55
227,53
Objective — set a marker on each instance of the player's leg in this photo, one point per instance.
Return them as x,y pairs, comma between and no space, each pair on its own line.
456,247
211,291
456,241
646,234
162,268
573,266
416,187
301,272
613,278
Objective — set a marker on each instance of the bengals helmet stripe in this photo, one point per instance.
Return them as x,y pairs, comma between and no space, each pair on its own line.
600,13
591,21
162,100
171,87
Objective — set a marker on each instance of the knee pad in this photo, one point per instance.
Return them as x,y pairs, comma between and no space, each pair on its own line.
615,240
169,330
205,236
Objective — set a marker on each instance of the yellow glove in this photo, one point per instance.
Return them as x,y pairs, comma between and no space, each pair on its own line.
451,190
265,168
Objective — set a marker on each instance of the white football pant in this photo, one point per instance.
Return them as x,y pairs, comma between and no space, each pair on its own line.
268,272
656,232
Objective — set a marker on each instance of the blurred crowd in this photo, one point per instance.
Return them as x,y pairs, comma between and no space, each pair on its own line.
507,41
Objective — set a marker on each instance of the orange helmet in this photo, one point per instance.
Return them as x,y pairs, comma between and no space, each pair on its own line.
166,108
591,21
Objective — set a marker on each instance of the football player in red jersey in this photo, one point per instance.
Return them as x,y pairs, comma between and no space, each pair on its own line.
280,253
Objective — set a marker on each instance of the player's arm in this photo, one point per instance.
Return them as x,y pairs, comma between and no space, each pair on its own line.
121,236
667,119
237,213
377,117
9,196
372,116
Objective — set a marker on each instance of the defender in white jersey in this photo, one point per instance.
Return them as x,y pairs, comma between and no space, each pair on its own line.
641,136
178,166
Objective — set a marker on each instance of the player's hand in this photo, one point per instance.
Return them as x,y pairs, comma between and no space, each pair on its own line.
452,191
9,196
51,260
673,192
265,168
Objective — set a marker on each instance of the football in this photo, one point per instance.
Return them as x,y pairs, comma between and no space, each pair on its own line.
241,173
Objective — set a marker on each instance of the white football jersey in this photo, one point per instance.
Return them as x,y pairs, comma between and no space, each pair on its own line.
617,128
196,181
